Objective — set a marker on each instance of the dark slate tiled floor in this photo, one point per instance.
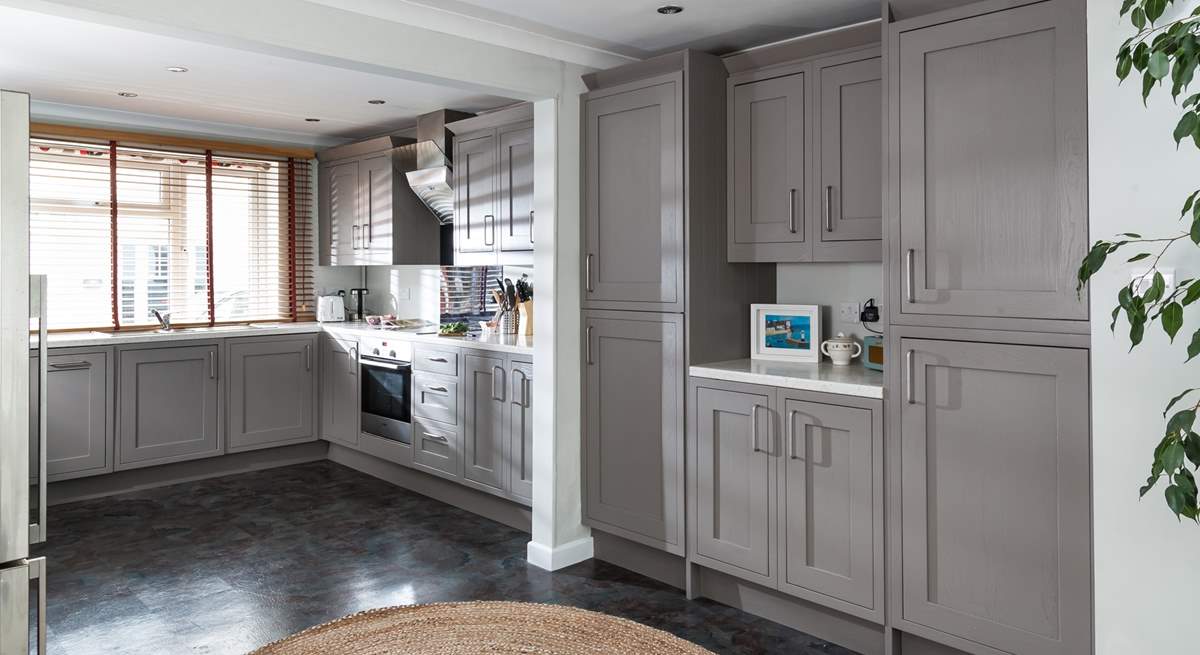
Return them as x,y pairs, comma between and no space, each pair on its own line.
226,565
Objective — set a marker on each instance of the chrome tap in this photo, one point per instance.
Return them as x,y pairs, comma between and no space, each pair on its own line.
163,319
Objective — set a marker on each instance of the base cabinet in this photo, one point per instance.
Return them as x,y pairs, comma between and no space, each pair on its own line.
272,391
485,425
168,408
520,430
79,429
339,390
786,491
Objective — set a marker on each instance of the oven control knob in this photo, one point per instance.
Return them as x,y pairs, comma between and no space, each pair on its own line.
375,351
392,354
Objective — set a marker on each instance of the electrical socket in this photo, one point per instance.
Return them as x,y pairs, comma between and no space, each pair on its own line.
404,293
1143,280
848,312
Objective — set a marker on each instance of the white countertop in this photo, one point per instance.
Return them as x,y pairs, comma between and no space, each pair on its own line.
852,380
509,343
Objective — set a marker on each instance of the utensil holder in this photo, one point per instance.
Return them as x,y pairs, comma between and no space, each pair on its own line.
508,322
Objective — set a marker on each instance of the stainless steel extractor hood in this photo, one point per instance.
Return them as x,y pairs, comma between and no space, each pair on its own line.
432,181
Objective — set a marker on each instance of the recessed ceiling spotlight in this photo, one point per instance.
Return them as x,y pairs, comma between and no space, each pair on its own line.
177,69
376,102
670,10
312,120
127,94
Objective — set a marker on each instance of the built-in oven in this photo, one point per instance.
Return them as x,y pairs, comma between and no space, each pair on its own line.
385,368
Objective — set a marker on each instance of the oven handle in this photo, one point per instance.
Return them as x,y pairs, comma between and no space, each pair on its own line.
366,361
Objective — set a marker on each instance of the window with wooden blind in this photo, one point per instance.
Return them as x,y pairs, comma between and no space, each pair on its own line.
122,230
466,293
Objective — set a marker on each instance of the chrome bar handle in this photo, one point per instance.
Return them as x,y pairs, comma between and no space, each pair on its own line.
37,531
754,427
588,338
530,226
498,377
791,448
308,357
486,232
37,570
439,360
437,389
70,366
370,207
212,365
587,273
909,372
792,211
355,237
524,387
909,271
436,437
828,208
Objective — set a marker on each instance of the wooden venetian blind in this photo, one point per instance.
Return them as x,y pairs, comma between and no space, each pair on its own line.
122,230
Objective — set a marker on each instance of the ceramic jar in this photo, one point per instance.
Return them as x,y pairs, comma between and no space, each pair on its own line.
841,349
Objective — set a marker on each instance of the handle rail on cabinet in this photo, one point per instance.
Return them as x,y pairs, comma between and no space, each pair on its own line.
530,226
754,428
370,207
439,360
909,272
487,232
588,338
498,376
828,208
355,236
37,532
70,366
587,273
790,434
909,372
212,365
436,437
524,387
307,357
37,570
437,389
792,211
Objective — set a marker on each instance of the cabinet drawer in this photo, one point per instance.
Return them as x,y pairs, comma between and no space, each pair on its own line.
430,360
435,397
437,447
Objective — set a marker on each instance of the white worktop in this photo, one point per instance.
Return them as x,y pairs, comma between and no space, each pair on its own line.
508,343
852,380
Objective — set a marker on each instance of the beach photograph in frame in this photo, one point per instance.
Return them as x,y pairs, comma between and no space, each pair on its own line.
786,332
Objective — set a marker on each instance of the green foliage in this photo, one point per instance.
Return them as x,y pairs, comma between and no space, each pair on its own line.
1160,53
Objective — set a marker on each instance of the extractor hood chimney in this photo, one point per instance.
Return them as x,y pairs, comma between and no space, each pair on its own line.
432,180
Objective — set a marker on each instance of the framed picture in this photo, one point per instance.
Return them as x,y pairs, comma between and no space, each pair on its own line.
786,332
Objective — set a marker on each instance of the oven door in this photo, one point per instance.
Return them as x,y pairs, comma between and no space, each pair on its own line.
386,389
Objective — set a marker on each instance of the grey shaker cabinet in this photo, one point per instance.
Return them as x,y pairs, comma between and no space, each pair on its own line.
633,426
633,196
375,234
339,390
516,191
485,424
475,199
342,205
168,406
272,391
988,152
848,168
768,168
79,418
991,474
437,448
520,431
733,480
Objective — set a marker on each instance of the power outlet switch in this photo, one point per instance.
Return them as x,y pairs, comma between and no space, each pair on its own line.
848,312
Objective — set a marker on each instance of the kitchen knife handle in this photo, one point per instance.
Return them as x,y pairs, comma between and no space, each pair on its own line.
792,211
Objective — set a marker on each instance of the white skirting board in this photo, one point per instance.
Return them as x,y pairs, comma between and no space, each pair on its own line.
559,557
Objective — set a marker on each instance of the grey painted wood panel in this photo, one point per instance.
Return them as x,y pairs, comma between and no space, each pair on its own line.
633,196
520,430
735,444
848,193
344,209
438,360
768,176
633,426
830,511
476,200
437,448
271,391
340,409
989,195
516,189
992,473
376,194
485,422
79,426
435,397
168,405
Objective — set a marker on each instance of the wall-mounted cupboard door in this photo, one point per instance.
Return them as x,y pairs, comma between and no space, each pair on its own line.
989,150
520,430
830,501
272,392
734,480
168,405
376,230
485,424
475,200
516,190
768,169
343,210
633,426
633,196
79,398
339,391
848,167
992,471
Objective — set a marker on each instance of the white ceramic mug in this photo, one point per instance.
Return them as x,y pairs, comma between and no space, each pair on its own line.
841,349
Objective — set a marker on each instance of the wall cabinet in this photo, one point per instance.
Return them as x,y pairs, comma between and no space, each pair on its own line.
805,151
633,426
339,198
988,224
520,430
990,470
340,408
79,400
493,205
271,390
785,490
168,406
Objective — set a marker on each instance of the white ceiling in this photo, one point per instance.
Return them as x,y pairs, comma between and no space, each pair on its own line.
634,27
67,64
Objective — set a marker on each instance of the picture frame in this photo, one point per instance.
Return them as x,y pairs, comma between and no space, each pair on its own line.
785,332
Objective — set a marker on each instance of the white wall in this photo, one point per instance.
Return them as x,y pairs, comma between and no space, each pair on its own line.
1147,570
405,291
829,285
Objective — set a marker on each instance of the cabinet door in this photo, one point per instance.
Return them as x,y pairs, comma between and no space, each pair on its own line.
272,391
516,189
78,418
633,191
849,141
345,214
735,479
168,405
989,117
339,391
633,426
520,430
485,426
768,159
376,234
994,486
475,200
830,496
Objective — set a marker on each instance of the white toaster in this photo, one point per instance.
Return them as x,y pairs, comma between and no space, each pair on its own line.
331,309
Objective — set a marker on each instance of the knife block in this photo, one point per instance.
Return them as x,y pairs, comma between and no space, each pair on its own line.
526,318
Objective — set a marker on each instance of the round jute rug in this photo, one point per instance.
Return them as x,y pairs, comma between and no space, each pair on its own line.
477,628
